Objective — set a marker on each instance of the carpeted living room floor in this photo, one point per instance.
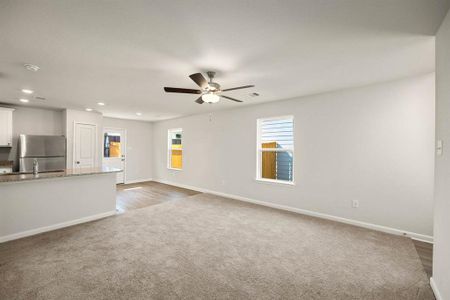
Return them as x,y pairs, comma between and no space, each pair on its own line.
208,247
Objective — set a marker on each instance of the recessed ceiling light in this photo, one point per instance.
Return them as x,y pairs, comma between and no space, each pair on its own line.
138,114
31,67
27,91
101,103
88,109
24,100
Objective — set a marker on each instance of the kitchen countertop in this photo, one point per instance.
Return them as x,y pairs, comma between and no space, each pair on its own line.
19,177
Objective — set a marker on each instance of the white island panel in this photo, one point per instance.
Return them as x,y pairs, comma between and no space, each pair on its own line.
34,206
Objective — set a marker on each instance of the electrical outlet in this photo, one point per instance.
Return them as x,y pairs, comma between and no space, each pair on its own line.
355,203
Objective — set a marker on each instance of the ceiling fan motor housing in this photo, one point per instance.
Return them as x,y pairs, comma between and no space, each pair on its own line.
213,87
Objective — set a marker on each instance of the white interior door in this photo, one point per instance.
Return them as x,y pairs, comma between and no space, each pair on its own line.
85,145
114,151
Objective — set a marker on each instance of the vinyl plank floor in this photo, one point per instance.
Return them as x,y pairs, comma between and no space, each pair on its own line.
425,251
143,194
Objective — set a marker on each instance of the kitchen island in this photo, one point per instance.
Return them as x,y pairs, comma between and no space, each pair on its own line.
31,204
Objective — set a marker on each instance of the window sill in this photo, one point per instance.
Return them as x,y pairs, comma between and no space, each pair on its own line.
271,181
175,169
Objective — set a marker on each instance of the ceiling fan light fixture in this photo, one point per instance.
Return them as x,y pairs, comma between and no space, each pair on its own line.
209,91
210,98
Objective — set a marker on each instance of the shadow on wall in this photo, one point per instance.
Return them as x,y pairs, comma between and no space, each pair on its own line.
5,154
11,154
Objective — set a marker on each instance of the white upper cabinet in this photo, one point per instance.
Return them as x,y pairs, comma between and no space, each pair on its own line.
6,126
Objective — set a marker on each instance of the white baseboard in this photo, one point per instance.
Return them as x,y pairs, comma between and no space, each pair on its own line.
31,232
138,180
413,235
435,289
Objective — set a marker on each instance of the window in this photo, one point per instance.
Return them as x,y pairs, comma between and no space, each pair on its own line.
111,145
275,157
175,149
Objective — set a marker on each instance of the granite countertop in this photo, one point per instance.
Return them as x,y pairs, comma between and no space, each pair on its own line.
19,177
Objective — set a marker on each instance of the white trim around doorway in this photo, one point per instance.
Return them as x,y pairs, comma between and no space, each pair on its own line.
124,131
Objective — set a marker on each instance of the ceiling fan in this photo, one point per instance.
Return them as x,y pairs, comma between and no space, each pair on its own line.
210,91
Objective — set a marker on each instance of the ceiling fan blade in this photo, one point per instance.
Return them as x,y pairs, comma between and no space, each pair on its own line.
199,80
179,90
238,88
199,100
229,98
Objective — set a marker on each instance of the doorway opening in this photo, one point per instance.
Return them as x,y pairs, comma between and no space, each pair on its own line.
114,151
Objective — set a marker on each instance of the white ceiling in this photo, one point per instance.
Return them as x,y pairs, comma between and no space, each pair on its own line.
124,52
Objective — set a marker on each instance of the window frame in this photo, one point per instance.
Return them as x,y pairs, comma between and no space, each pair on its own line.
169,148
260,150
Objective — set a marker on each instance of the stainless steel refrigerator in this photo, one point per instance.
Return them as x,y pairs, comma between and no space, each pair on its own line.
48,150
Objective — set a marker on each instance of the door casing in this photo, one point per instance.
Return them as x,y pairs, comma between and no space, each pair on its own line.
123,147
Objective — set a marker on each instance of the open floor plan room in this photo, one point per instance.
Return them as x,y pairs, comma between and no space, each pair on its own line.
250,149
206,246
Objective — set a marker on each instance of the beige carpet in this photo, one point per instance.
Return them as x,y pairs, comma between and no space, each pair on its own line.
207,247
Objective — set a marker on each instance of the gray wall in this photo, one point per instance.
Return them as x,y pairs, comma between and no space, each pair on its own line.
441,261
32,121
374,144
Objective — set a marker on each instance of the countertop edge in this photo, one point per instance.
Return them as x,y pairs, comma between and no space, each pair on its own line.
17,178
